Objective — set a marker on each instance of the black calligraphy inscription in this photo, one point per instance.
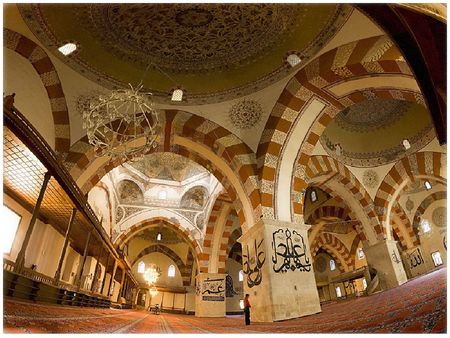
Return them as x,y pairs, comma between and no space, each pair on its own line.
289,252
213,290
229,289
251,266
198,289
415,258
395,259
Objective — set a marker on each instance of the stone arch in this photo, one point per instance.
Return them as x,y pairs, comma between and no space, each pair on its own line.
183,268
330,171
215,244
353,248
419,165
309,92
340,250
403,228
126,235
50,79
232,240
328,211
105,188
436,196
235,252
225,155
337,259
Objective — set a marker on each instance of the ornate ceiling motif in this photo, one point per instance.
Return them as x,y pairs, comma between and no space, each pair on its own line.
371,133
245,114
439,217
195,198
129,192
370,178
167,166
205,47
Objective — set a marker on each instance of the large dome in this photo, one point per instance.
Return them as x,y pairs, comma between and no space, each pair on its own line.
215,51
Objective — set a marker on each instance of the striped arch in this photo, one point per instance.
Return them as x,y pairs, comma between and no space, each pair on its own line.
50,79
236,252
232,240
418,165
220,151
328,211
403,228
436,196
354,247
126,235
183,268
218,231
324,170
327,240
311,95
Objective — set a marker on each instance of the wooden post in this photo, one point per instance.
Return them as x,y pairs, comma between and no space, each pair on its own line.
104,277
20,260
83,260
66,242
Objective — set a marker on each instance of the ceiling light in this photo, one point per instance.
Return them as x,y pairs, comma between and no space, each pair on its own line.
406,144
427,185
68,48
293,60
177,95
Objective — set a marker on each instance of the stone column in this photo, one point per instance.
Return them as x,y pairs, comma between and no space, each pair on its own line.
94,285
20,260
385,258
66,242
278,271
104,276
210,295
111,282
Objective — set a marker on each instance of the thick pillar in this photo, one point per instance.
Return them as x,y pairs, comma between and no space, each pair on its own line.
278,271
385,258
83,260
119,295
210,295
66,242
20,260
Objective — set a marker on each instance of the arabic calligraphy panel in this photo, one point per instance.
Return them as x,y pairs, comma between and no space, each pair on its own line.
213,289
290,251
252,263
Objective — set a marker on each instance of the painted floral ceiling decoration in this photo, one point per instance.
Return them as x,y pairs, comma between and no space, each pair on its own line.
215,51
371,133
167,166
245,114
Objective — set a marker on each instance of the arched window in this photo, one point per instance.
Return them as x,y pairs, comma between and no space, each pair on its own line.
241,276
425,226
313,196
332,264
141,267
159,236
360,253
171,271
338,292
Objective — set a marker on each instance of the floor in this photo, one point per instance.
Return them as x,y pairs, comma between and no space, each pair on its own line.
420,305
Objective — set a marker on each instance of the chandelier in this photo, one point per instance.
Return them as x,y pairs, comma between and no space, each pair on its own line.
122,124
152,274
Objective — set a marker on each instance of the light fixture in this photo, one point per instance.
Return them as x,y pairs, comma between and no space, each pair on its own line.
177,95
406,144
122,124
427,185
152,274
153,291
293,60
68,48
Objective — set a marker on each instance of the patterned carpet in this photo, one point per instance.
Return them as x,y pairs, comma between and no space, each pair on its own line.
420,305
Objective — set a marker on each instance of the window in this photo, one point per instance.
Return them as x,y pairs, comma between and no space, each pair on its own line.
171,271
241,276
159,236
437,259
360,253
406,144
10,221
338,292
364,283
425,226
177,95
162,195
293,60
68,48
332,264
141,267
313,196
427,185
241,304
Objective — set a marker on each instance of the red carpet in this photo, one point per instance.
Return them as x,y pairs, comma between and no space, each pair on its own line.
420,305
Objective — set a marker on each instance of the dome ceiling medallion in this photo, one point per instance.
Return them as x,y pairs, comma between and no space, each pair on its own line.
204,46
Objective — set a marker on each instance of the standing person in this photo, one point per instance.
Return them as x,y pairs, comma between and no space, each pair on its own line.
247,307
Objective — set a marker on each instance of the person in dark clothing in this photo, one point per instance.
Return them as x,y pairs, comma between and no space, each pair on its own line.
247,307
